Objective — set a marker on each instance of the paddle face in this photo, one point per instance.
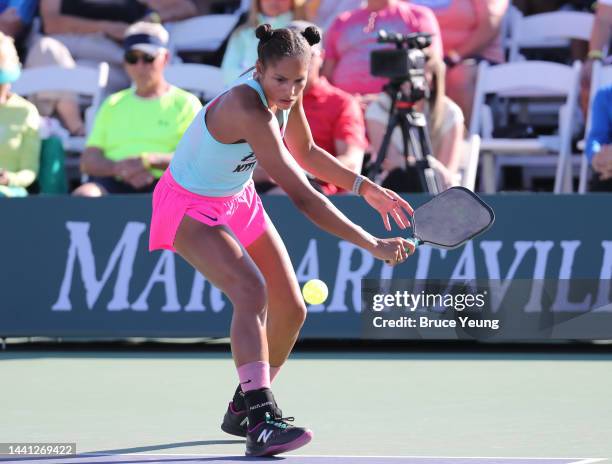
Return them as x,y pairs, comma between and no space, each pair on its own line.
452,218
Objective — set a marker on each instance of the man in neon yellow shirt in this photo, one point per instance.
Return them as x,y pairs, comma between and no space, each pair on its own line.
19,121
137,129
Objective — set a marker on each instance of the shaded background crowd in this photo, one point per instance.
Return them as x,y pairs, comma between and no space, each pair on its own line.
96,94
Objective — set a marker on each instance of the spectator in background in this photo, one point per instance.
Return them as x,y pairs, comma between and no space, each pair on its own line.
137,129
353,35
598,48
19,121
92,30
48,52
470,33
16,16
241,52
446,128
335,118
324,12
165,11
87,32
599,141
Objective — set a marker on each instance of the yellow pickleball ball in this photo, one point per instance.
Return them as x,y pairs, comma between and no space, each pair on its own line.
315,292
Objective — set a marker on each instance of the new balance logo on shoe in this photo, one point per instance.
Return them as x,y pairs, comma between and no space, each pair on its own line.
244,422
260,405
264,436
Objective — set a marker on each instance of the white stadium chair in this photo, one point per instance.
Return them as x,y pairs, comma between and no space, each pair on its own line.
469,165
245,5
548,30
601,77
81,80
535,79
200,79
202,33
510,19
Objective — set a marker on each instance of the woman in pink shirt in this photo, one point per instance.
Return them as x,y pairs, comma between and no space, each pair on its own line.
353,35
470,33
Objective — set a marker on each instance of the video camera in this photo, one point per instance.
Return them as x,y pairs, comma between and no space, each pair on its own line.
405,63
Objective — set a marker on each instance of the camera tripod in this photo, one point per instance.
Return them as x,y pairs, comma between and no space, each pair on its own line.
415,137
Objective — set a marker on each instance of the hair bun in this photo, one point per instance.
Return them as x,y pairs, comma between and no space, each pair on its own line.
264,32
312,35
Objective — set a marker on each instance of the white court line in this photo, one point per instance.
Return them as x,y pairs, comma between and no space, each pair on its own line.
580,460
577,460
590,461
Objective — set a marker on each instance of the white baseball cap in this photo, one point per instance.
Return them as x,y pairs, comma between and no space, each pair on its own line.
149,38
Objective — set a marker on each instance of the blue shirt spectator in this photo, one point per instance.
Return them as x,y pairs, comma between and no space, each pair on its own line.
25,8
599,140
601,122
15,15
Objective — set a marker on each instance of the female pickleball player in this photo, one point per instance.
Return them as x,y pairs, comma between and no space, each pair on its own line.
206,209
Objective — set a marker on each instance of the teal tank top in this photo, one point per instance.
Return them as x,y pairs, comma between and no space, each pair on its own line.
207,167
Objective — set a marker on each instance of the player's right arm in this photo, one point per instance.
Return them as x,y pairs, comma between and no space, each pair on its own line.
259,127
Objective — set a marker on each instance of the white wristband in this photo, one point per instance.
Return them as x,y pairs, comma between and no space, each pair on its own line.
358,181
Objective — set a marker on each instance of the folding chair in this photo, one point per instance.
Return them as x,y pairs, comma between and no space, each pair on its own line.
84,81
526,79
203,80
548,30
469,165
203,33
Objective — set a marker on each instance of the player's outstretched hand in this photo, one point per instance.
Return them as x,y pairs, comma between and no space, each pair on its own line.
387,203
393,250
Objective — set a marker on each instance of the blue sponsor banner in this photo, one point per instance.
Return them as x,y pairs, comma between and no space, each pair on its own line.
81,267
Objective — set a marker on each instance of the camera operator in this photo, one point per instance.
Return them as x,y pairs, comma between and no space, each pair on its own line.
413,102
354,34
446,125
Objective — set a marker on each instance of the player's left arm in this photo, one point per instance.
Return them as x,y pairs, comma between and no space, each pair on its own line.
324,166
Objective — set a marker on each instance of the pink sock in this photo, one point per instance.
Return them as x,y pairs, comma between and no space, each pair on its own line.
254,375
274,372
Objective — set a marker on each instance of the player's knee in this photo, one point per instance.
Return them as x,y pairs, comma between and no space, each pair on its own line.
299,313
251,295
294,313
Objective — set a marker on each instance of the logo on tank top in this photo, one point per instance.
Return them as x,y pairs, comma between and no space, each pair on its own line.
247,163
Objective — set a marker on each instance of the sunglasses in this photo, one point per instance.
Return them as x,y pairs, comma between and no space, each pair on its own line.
133,58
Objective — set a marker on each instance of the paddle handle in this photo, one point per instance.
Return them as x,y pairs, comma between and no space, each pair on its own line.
415,241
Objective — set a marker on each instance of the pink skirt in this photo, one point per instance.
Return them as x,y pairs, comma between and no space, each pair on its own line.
242,213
